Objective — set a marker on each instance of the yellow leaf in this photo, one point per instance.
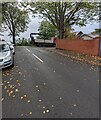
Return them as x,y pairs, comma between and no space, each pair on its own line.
30,113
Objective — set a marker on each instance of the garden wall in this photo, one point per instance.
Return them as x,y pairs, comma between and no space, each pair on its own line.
90,47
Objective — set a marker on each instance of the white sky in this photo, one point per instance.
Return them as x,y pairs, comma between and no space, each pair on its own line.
34,24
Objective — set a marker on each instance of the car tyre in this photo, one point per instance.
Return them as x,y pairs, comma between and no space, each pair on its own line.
13,62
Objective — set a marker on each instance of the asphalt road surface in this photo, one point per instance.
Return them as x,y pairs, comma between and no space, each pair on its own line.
44,84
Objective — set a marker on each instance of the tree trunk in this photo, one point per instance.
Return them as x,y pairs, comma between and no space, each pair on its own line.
61,29
61,34
61,22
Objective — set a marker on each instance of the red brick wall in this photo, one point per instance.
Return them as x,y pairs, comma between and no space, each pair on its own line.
90,47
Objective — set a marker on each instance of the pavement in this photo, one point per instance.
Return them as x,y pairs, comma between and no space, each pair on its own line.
91,59
44,84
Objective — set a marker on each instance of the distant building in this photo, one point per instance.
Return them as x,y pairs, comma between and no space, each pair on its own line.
80,34
94,36
86,37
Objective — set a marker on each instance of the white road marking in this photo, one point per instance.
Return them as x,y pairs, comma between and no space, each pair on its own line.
28,50
35,55
37,58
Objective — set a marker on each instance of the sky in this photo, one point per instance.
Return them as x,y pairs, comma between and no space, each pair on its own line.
35,22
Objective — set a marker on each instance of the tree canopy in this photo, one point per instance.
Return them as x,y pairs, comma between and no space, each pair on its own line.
64,15
14,19
47,30
97,31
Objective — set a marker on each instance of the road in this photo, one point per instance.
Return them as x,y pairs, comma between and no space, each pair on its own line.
44,84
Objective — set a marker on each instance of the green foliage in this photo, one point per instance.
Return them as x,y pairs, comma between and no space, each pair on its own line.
22,42
47,30
97,31
66,14
14,19
69,34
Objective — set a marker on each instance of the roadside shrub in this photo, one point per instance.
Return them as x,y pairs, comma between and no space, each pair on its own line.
69,34
22,42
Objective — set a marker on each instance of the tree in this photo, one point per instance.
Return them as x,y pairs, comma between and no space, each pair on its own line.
97,31
64,15
46,30
14,19
69,33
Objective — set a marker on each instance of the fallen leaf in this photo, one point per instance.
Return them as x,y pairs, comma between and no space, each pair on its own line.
11,92
7,91
5,81
25,96
74,105
43,107
97,80
71,114
47,111
13,96
44,83
2,99
30,113
11,86
77,90
17,80
44,112
20,73
52,105
5,87
1,84
21,98
16,90
21,114
10,78
60,98
28,101
40,100
18,84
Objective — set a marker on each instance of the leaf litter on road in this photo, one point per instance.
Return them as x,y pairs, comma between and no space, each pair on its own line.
47,111
43,107
71,113
36,86
29,101
13,96
44,112
75,105
38,90
44,83
16,90
40,100
52,106
5,87
30,113
77,90
25,96
60,98
21,98
2,99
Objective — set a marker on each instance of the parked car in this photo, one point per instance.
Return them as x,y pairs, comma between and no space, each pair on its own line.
6,55
11,46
